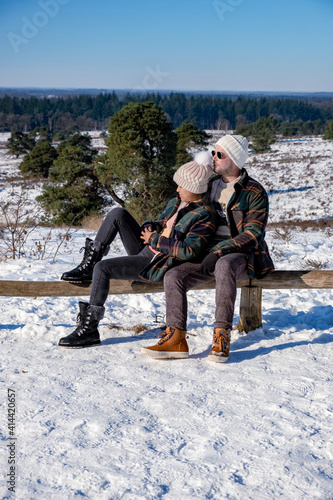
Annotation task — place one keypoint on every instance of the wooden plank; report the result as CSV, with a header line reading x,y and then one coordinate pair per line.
x,y
277,280
41,289
65,289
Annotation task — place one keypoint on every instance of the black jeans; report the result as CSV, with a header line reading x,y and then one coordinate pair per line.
x,y
119,221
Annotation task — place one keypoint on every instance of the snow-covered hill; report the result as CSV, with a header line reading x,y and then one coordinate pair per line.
x,y
109,423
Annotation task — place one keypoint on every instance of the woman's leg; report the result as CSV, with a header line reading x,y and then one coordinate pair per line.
x,y
86,334
119,268
116,221
120,221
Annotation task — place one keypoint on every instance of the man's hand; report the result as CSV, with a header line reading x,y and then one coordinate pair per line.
x,y
208,264
145,235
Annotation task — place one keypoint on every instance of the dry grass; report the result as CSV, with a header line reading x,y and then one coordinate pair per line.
x,y
302,225
92,222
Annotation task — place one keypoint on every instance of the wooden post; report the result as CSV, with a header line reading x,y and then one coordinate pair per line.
x,y
250,309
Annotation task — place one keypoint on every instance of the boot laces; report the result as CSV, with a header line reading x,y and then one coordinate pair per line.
x,y
86,258
165,336
221,339
83,323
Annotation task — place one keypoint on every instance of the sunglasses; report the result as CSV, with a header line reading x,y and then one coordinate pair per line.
x,y
221,156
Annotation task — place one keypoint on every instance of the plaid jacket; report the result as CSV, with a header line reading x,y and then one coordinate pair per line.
x,y
193,230
247,214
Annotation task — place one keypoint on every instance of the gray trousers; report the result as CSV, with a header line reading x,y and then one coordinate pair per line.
x,y
180,279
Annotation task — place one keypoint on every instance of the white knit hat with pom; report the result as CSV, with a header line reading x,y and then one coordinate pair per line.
x,y
194,175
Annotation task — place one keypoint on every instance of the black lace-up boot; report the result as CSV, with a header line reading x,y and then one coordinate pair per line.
x,y
93,253
86,333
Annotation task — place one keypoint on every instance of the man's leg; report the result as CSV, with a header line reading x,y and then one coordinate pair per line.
x,y
177,282
228,270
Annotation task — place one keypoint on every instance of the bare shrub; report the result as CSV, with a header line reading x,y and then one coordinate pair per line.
x,y
284,232
48,246
277,253
20,216
314,264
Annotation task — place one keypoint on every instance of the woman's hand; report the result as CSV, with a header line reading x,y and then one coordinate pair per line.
x,y
145,235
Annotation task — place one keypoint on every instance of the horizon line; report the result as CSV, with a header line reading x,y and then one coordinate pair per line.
x,y
138,91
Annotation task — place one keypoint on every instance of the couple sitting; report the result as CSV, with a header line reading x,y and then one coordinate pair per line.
x,y
200,236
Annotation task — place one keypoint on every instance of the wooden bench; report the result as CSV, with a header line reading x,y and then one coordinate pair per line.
x,y
250,300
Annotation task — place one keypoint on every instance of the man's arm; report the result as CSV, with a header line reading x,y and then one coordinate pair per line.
x,y
252,230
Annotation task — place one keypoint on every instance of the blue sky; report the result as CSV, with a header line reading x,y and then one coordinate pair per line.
x,y
223,45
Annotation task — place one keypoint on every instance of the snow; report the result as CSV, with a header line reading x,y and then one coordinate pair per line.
x,y
109,423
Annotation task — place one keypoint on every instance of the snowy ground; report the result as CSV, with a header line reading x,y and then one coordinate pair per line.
x,y
108,423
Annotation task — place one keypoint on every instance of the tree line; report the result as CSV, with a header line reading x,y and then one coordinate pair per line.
x,y
207,112
265,131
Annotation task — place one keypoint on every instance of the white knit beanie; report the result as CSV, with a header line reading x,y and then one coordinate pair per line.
x,y
194,175
236,146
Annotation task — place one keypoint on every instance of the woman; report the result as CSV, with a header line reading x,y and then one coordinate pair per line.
x,y
180,234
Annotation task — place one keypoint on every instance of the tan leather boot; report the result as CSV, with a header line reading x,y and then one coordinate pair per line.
x,y
172,345
221,346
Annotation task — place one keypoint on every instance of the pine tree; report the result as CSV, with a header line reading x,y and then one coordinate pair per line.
x,y
263,134
74,190
40,135
140,159
39,160
329,131
189,136
20,143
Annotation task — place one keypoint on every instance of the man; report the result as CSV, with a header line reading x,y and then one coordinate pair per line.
x,y
239,251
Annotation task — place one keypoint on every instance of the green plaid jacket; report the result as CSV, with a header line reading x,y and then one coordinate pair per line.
x,y
192,232
247,214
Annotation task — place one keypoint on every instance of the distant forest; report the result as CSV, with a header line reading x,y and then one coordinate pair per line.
x,y
89,112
